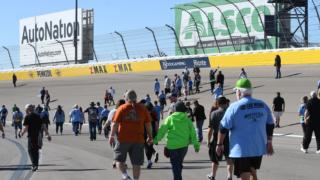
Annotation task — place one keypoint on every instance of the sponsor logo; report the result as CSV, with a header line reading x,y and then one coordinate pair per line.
x,y
182,63
229,19
44,73
49,31
122,67
101,69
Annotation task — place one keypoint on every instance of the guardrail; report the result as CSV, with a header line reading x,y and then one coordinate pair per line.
x,y
224,60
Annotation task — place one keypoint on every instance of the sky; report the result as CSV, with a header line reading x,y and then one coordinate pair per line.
x,y
110,15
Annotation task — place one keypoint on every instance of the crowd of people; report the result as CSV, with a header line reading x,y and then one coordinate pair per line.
x,y
241,132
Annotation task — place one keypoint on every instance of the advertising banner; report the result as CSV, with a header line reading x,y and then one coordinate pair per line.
x,y
226,20
202,62
44,36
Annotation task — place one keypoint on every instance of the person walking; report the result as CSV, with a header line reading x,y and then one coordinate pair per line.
x,y
3,115
129,122
39,109
17,118
173,99
99,124
214,124
278,108
2,130
190,86
44,115
301,111
42,94
103,119
179,85
82,119
217,92
200,116
250,124
34,125
277,64
59,118
312,121
197,82
163,102
179,132
167,85
14,80
48,99
220,79
149,149
75,119
243,74
212,77
189,111
156,87
93,118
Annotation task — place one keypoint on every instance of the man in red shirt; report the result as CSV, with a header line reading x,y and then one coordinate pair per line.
x,y
128,123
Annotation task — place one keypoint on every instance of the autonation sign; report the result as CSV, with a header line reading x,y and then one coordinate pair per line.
x,y
46,33
229,18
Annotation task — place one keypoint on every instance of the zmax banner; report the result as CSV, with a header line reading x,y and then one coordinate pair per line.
x,y
202,62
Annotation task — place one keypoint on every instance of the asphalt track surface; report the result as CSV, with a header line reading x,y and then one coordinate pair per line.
x,y
70,157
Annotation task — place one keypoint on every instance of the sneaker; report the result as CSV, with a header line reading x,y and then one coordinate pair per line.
x,y
149,165
318,151
210,177
3,135
114,165
126,178
156,159
304,150
34,168
230,178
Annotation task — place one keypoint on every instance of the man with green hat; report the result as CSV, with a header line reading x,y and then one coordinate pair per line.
x,y
250,125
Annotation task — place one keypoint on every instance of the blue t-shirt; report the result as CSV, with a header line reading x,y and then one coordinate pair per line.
x,y
157,109
157,86
246,121
217,92
301,111
104,113
75,115
190,83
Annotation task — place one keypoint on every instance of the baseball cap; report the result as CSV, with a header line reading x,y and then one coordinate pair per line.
x,y
243,84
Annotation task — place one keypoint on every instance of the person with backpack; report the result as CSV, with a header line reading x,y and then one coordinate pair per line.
x,y
93,118
212,77
59,118
17,118
3,115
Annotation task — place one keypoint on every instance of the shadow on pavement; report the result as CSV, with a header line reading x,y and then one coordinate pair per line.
x,y
21,167
290,75
70,170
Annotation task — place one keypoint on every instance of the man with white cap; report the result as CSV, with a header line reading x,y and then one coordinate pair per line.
x,y
250,125
33,124
312,122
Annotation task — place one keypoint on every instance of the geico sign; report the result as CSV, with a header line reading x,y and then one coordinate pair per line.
x,y
49,31
230,18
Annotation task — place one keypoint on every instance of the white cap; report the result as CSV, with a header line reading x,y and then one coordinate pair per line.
x,y
313,94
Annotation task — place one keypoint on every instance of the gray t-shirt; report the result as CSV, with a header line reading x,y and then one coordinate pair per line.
x,y
214,123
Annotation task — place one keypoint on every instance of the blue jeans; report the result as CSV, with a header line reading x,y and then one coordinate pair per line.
x,y
75,127
199,125
278,70
176,160
3,120
93,130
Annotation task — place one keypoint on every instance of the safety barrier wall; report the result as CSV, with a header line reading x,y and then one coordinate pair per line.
x,y
239,59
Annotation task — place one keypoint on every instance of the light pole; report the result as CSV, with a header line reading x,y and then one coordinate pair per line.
x,y
9,56
75,39
196,25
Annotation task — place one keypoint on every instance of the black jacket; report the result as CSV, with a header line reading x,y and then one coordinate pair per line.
x,y
199,113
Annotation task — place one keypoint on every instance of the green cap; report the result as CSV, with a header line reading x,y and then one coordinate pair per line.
x,y
243,83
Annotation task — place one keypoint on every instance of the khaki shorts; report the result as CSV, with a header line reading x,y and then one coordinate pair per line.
x,y
277,114
135,150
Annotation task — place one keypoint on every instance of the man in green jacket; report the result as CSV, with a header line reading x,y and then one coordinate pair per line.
x,y
180,133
